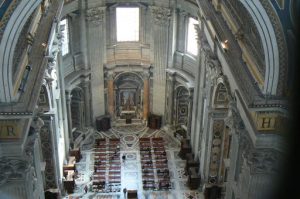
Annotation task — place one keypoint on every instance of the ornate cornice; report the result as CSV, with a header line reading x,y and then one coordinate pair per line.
x,y
95,15
161,16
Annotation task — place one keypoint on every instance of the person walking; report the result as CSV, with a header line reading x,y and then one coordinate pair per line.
x,y
123,158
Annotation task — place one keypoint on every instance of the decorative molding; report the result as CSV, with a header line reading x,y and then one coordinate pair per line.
x,y
16,113
161,16
216,150
96,15
47,150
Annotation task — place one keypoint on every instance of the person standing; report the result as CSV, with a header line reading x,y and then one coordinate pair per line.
x,y
85,188
125,191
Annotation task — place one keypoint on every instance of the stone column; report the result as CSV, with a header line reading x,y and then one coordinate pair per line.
x,y
69,114
110,94
146,95
87,103
160,31
97,57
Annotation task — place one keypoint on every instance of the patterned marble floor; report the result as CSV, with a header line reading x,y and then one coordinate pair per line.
x,y
131,176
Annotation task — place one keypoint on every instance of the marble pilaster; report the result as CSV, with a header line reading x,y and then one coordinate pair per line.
x,y
161,25
97,56
87,103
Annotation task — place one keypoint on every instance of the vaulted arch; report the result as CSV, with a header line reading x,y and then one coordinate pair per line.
x,y
8,45
269,42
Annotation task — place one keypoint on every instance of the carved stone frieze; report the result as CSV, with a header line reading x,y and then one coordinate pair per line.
x,y
263,161
161,16
13,168
95,15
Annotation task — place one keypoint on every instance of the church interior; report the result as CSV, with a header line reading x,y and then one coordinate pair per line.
x,y
145,99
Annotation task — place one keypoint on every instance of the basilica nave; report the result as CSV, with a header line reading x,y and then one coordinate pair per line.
x,y
178,99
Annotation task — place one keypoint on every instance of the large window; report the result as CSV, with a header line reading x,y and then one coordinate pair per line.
x,y
65,36
192,46
128,24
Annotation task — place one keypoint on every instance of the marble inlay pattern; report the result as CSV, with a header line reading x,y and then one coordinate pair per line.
x,y
130,166
131,176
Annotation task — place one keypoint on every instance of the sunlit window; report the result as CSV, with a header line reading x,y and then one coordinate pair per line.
x,y
128,24
192,46
65,36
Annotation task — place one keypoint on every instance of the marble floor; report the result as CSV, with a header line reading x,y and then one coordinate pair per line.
x,y
131,175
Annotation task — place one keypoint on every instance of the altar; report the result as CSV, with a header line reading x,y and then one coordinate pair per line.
x,y
128,114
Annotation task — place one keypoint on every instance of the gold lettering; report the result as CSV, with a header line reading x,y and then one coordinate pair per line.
x,y
266,122
10,131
